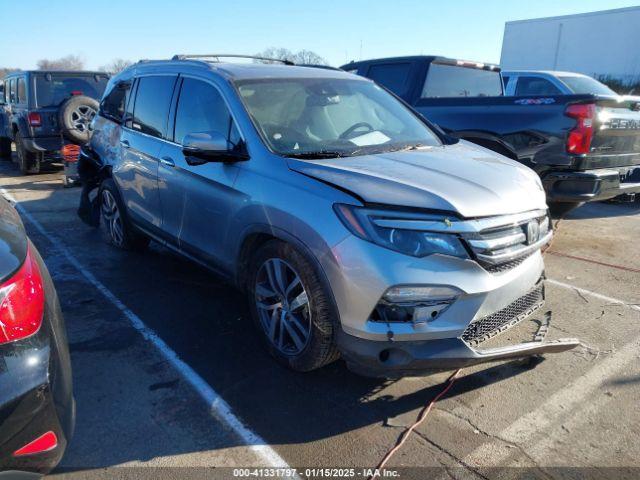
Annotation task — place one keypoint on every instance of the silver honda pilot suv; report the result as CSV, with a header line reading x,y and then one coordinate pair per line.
x,y
356,228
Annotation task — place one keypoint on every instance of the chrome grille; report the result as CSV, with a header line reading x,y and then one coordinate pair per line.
x,y
499,248
491,325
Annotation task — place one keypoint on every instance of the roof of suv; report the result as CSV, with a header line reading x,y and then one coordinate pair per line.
x,y
56,72
242,71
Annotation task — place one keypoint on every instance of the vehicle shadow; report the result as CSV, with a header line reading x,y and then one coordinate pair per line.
x,y
604,210
206,322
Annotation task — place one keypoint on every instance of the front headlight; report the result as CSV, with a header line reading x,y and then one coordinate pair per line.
x,y
360,222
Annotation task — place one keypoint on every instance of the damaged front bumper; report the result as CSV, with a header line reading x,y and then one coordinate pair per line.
x,y
395,359
409,358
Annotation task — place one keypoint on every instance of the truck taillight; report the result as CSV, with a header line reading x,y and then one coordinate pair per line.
x,y
35,120
579,139
21,302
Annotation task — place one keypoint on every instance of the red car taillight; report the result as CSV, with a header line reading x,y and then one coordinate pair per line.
x,y
21,302
579,140
35,119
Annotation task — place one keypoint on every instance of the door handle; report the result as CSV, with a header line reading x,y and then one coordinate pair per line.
x,y
125,143
167,161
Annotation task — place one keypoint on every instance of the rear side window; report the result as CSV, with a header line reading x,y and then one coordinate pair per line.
x,y
12,90
201,108
505,81
22,93
394,76
454,81
153,101
113,105
535,86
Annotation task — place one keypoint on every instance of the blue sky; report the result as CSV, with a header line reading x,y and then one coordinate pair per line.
x,y
100,31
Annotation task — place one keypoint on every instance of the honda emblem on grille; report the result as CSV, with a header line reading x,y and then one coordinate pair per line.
x,y
533,232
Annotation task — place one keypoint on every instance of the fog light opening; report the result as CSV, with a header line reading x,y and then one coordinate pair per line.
x,y
414,304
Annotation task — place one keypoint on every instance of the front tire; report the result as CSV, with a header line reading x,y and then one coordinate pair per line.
x,y
29,162
292,308
114,223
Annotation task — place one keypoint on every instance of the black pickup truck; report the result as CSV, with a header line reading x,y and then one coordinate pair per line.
x,y
584,147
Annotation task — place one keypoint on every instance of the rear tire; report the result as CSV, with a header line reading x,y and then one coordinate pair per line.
x,y
5,148
29,162
296,316
114,224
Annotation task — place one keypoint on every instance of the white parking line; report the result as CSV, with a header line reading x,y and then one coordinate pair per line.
x,y
219,408
563,402
593,294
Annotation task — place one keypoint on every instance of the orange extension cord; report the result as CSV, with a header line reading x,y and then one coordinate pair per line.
x,y
450,381
421,418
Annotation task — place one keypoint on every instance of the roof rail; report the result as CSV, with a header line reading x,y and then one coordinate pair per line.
x,y
215,57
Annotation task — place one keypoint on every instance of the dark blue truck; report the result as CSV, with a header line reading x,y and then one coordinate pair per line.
x,y
584,147
41,111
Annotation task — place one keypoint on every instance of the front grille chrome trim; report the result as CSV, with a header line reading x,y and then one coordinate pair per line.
x,y
497,258
499,242
458,226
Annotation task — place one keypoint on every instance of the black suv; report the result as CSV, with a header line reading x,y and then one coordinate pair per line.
x,y
41,111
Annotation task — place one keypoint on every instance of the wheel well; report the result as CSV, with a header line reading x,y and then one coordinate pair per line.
x,y
250,244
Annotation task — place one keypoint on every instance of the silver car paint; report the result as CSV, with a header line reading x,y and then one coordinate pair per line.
x,y
208,211
463,178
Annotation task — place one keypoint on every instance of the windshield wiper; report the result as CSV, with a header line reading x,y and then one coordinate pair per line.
x,y
318,154
407,148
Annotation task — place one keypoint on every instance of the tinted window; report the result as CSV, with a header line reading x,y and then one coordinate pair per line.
x,y
586,85
53,89
201,108
394,76
113,105
536,86
152,105
453,81
22,94
505,81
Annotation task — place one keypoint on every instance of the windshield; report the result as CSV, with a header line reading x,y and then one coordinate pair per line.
x,y
586,85
52,89
331,117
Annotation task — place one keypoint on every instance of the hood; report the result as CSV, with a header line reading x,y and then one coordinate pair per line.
x,y
462,178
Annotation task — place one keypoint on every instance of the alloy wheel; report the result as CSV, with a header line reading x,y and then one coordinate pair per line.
x,y
112,218
81,117
283,306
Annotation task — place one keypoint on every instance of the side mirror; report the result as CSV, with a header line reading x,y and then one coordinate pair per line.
x,y
204,147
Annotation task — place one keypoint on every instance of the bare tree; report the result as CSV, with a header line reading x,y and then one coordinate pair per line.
x,y
4,71
70,62
309,58
116,65
301,57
